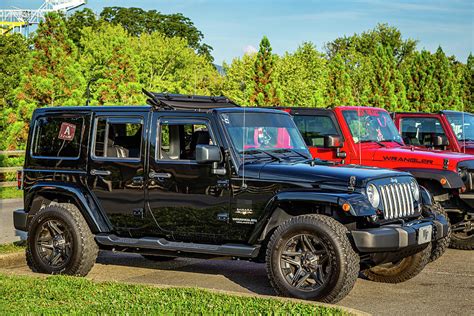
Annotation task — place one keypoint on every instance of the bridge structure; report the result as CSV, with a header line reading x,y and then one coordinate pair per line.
x,y
16,20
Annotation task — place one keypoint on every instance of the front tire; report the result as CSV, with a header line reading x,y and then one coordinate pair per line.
x,y
400,271
439,246
60,242
310,257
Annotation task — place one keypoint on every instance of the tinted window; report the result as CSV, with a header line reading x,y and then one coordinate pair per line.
x,y
420,131
179,141
314,128
118,138
58,137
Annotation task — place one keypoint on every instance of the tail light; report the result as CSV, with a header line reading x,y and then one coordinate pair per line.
x,y
19,179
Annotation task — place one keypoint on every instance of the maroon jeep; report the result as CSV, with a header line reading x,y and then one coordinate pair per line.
x,y
449,130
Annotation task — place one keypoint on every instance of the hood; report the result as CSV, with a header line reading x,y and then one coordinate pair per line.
x,y
317,174
413,157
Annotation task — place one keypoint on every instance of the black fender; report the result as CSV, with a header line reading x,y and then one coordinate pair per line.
x,y
426,197
93,215
273,216
453,180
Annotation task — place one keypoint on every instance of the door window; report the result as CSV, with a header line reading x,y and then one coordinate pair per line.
x,y
178,141
118,138
314,128
420,131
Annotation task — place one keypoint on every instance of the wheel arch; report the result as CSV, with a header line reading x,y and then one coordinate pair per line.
x,y
427,176
286,205
40,195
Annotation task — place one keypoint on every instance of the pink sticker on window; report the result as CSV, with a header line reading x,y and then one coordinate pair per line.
x,y
67,131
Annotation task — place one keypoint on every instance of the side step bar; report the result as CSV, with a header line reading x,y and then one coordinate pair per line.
x,y
227,250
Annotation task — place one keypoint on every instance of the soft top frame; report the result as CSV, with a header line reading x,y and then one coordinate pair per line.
x,y
164,101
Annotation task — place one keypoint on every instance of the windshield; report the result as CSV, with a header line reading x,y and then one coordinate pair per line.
x,y
462,125
369,125
264,134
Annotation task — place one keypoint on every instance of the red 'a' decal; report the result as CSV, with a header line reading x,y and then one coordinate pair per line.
x,y
67,131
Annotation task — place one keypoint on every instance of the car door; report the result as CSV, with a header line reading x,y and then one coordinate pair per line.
x,y
188,201
116,171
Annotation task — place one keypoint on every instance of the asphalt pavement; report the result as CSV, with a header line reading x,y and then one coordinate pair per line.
x,y
445,287
7,231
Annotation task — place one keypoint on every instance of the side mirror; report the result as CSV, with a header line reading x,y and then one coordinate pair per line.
x,y
333,141
208,153
440,141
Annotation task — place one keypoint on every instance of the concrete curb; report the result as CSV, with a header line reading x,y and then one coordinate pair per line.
x,y
12,259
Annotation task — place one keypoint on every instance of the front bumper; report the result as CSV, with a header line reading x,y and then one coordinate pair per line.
x,y
20,220
398,236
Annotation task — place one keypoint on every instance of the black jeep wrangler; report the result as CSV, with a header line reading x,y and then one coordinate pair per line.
x,y
201,176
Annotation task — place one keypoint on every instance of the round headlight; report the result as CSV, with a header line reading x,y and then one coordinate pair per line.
x,y
415,189
373,195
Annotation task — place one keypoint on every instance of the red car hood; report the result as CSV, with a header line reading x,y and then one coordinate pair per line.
x,y
412,157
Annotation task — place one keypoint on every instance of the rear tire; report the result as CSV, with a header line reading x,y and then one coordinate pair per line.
x,y
310,257
439,246
60,242
401,271
461,239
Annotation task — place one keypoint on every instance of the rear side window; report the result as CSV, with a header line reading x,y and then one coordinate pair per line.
x,y
58,137
118,138
420,131
314,128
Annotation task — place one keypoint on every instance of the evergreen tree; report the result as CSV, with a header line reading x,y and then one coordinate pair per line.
x,y
264,91
386,82
339,89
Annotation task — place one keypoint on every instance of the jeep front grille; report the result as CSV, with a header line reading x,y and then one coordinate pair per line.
x,y
397,200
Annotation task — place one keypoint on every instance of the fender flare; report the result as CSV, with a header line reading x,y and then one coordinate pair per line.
x,y
94,217
273,216
453,180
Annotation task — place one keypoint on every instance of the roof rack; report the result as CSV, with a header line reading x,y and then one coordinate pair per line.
x,y
164,101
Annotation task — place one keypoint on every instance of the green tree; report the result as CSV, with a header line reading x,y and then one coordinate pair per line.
x,y
110,64
52,77
467,82
138,21
302,77
14,55
339,88
169,65
264,90
238,80
386,82
367,42
77,21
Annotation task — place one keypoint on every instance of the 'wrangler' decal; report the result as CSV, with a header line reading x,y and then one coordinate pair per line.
x,y
410,160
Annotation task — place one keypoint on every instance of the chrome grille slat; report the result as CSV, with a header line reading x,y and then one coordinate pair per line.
x,y
397,200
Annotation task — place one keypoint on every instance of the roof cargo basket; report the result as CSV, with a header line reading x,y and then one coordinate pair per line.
x,y
164,101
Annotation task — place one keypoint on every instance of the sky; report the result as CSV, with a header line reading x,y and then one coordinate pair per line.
x,y
233,27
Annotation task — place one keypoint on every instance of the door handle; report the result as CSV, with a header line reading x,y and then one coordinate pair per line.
x,y
96,172
157,175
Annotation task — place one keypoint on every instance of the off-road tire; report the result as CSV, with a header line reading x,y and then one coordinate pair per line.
x,y
158,258
438,247
458,241
84,249
343,258
401,271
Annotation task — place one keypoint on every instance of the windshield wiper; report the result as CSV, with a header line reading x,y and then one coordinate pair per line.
x,y
289,150
393,140
259,151
373,141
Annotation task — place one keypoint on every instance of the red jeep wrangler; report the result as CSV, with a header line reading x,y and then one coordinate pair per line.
x,y
368,136
450,130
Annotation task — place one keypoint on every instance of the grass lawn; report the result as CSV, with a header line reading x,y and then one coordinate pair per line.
x,y
14,247
70,295
10,193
